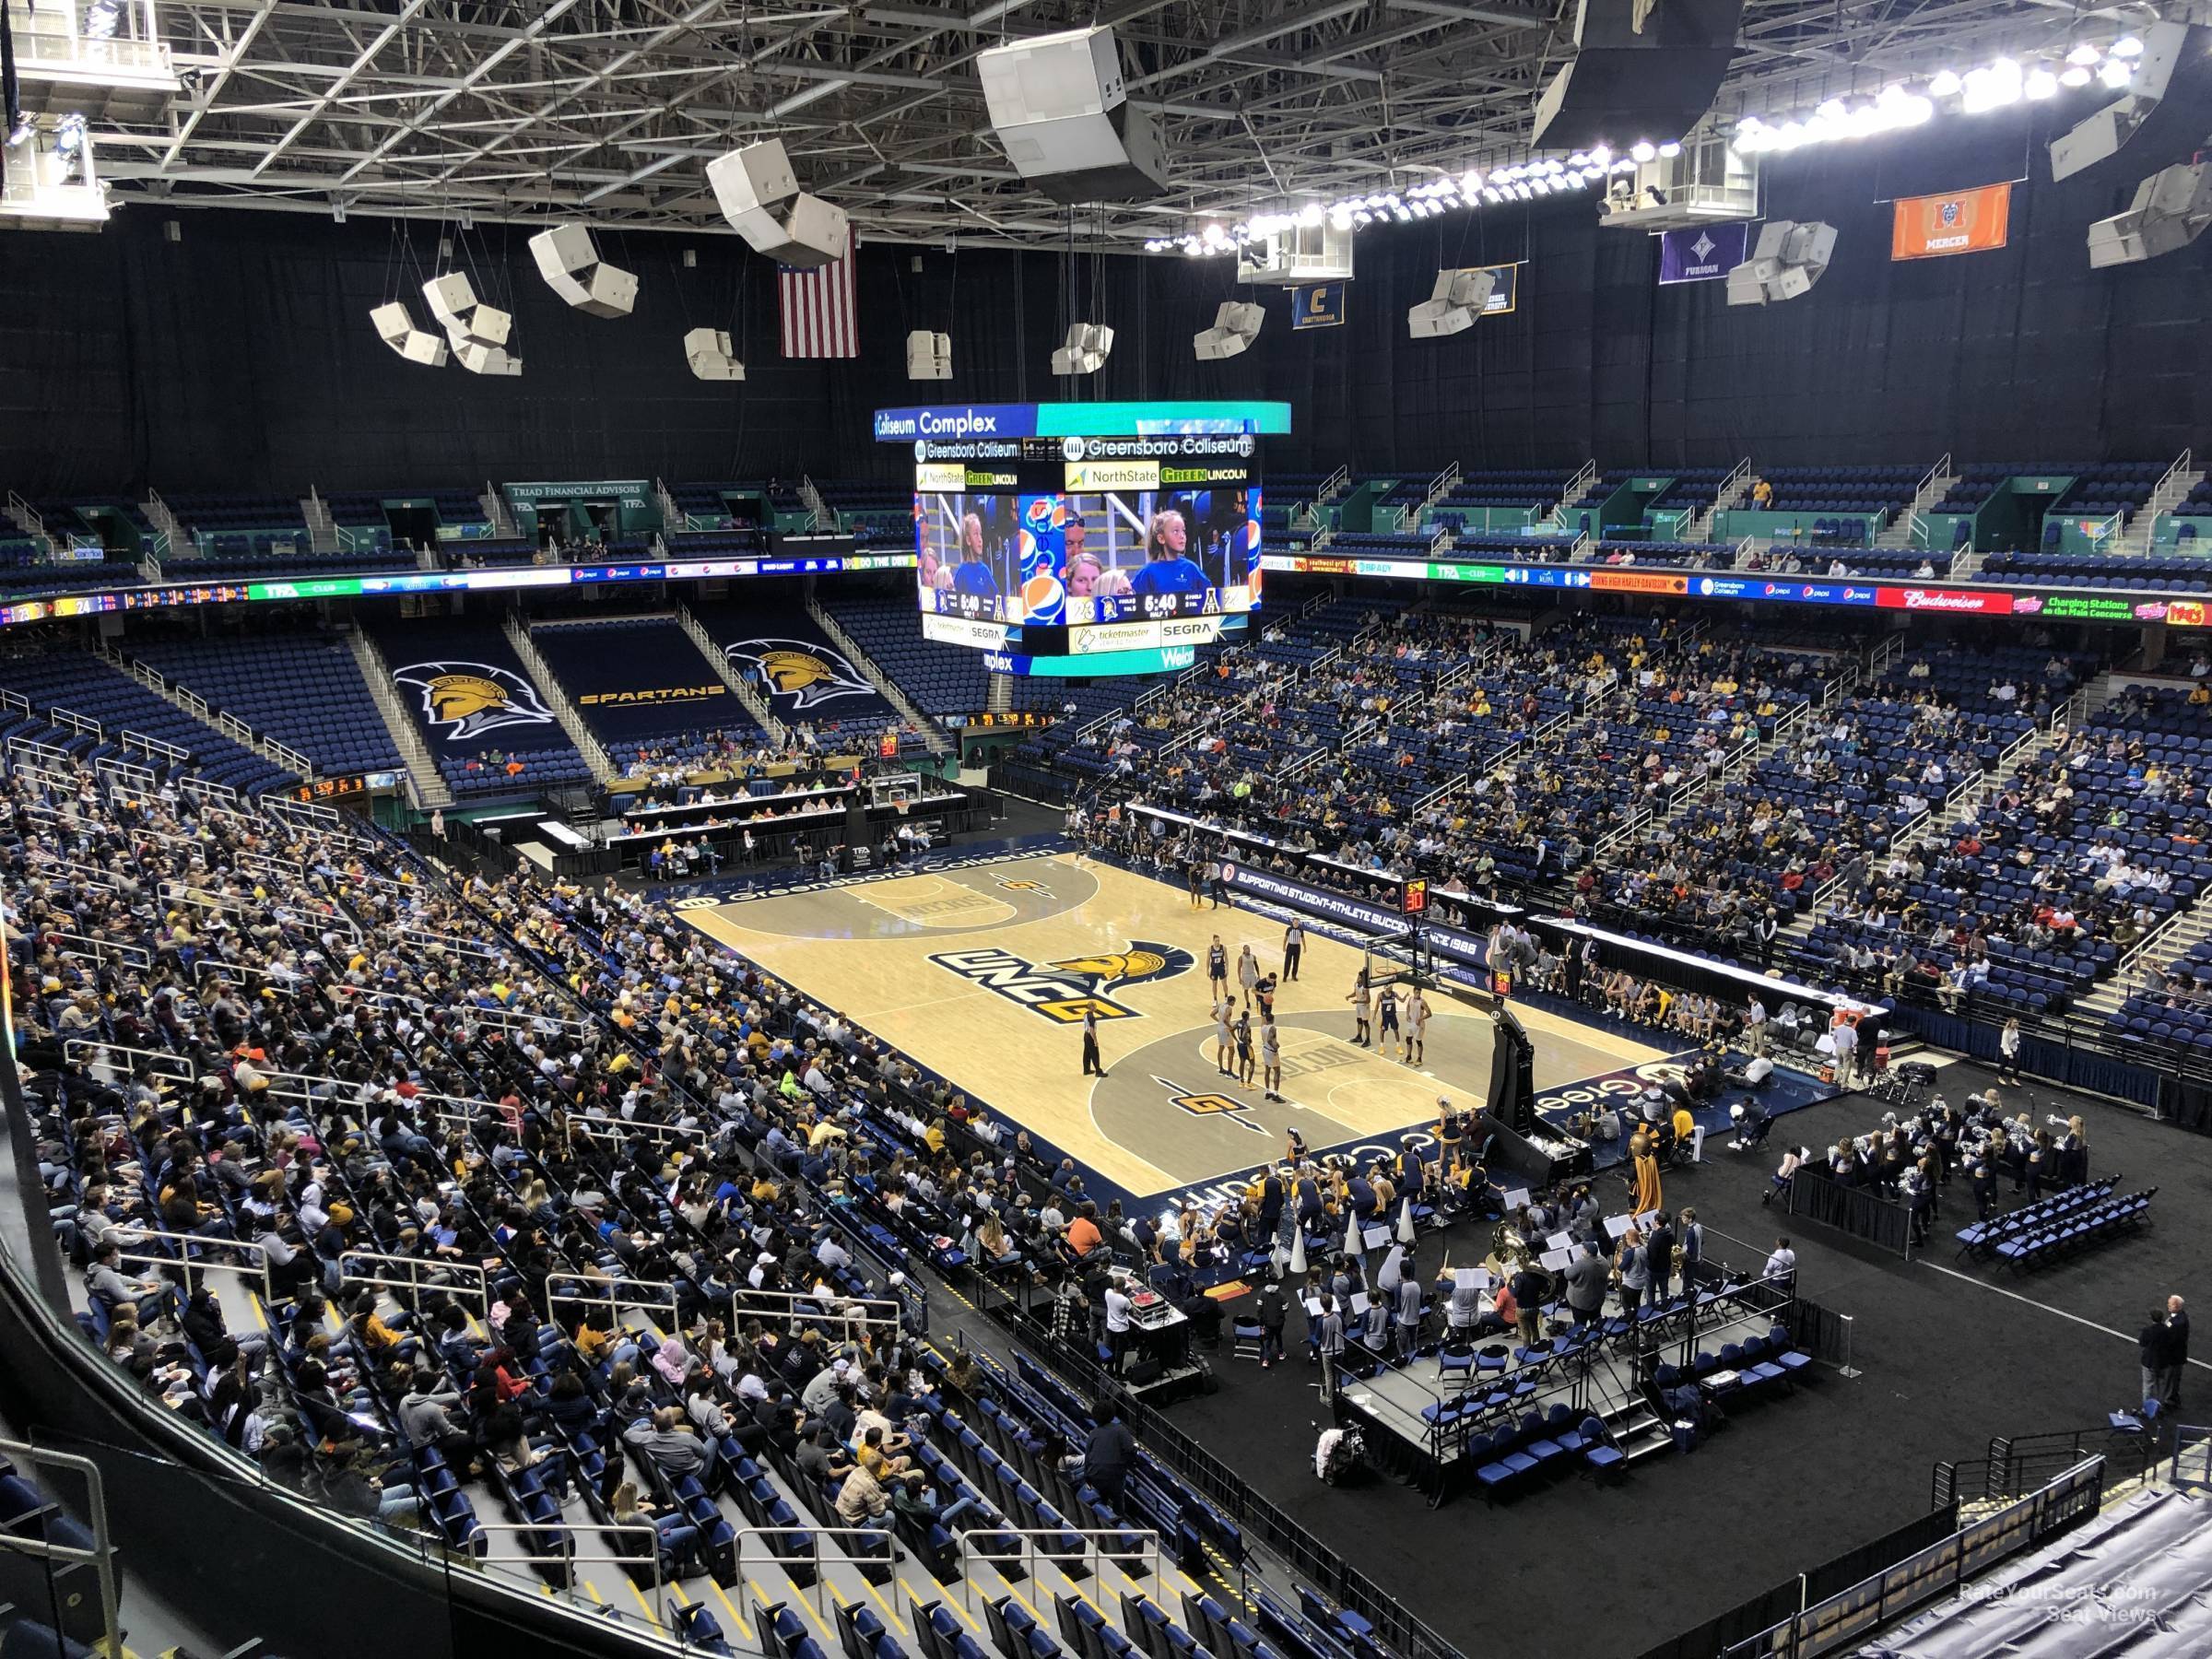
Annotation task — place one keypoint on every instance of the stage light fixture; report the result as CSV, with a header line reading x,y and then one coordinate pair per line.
x,y
1236,326
1454,302
1789,258
712,356
568,258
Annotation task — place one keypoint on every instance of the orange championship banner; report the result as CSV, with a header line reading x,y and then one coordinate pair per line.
x,y
1965,221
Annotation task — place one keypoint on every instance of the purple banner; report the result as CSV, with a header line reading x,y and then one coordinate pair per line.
x,y
1702,252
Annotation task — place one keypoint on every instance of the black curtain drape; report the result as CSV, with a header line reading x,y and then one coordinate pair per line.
x,y
241,356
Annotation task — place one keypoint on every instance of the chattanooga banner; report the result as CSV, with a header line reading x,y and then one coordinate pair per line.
x,y
636,682
1318,305
1965,221
1701,253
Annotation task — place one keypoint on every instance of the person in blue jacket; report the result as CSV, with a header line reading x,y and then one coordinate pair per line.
x,y
974,574
1167,566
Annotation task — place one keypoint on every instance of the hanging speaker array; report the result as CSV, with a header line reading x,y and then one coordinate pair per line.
x,y
568,258
928,356
712,356
396,328
478,332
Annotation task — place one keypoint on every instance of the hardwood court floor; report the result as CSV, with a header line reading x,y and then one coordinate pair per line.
x,y
981,974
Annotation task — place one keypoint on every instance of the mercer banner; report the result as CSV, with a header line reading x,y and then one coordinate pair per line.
x,y
1965,221
1702,252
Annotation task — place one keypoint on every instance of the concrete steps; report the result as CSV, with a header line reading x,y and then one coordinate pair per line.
x,y
431,787
762,715
557,699
1898,534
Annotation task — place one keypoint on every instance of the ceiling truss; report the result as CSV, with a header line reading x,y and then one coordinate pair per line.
x,y
610,109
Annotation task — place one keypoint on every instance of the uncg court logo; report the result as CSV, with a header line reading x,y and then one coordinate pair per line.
x,y
806,672
1064,991
467,699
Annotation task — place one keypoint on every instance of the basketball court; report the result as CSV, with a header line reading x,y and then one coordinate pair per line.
x,y
981,974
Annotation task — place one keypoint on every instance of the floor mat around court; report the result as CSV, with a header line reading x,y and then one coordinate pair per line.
x,y
980,972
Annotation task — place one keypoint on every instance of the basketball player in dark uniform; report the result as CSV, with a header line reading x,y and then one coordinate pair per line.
x,y
1217,965
1386,1006
1244,1061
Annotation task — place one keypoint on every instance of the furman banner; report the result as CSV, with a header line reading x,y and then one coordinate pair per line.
x,y
1965,221
1702,252
636,680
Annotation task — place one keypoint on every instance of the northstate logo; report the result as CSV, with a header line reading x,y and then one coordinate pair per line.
x,y
467,699
1062,991
806,673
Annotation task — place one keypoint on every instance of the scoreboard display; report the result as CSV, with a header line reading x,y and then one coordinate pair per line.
x,y
1128,534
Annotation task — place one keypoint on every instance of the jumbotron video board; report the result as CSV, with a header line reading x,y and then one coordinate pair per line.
x,y
1056,529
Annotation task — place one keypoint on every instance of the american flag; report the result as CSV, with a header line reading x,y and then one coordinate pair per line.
x,y
820,320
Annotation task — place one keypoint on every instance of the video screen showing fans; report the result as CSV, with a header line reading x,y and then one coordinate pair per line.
x,y
1080,559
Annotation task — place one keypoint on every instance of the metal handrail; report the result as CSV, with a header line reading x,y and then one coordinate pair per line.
x,y
182,1067
1441,486
189,1266
100,1557
2180,470
616,1296
748,1301
1942,469
155,747
1583,478
421,1274
1843,1619
570,1557
130,956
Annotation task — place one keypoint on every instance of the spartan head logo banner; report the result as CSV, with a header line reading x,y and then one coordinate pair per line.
x,y
1064,991
465,700
1143,960
806,673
